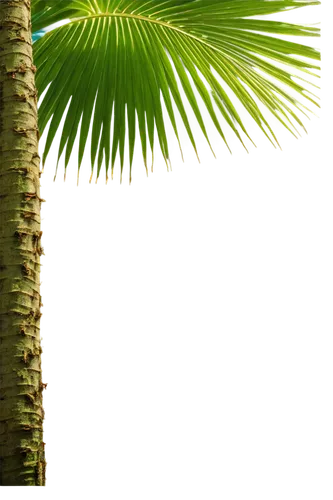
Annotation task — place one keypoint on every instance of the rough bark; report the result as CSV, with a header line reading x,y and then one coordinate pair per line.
x,y
21,415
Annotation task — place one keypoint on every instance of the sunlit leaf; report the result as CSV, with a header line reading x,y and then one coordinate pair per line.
x,y
121,61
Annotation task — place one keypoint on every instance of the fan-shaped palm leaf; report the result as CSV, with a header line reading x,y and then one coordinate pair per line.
x,y
124,58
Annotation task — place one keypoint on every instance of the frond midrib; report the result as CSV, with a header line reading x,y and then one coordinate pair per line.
x,y
144,19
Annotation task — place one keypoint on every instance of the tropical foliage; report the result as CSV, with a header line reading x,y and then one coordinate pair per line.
x,y
118,61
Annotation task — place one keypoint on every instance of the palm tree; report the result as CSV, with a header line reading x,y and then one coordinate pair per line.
x,y
114,64
21,446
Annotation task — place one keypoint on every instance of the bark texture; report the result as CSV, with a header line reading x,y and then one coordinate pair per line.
x,y
21,415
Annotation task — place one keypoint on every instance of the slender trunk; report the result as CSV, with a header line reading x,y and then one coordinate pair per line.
x,y
21,414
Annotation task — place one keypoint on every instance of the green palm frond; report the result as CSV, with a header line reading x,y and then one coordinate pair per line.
x,y
121,60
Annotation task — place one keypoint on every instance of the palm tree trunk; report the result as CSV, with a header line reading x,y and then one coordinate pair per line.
x,y
21,414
